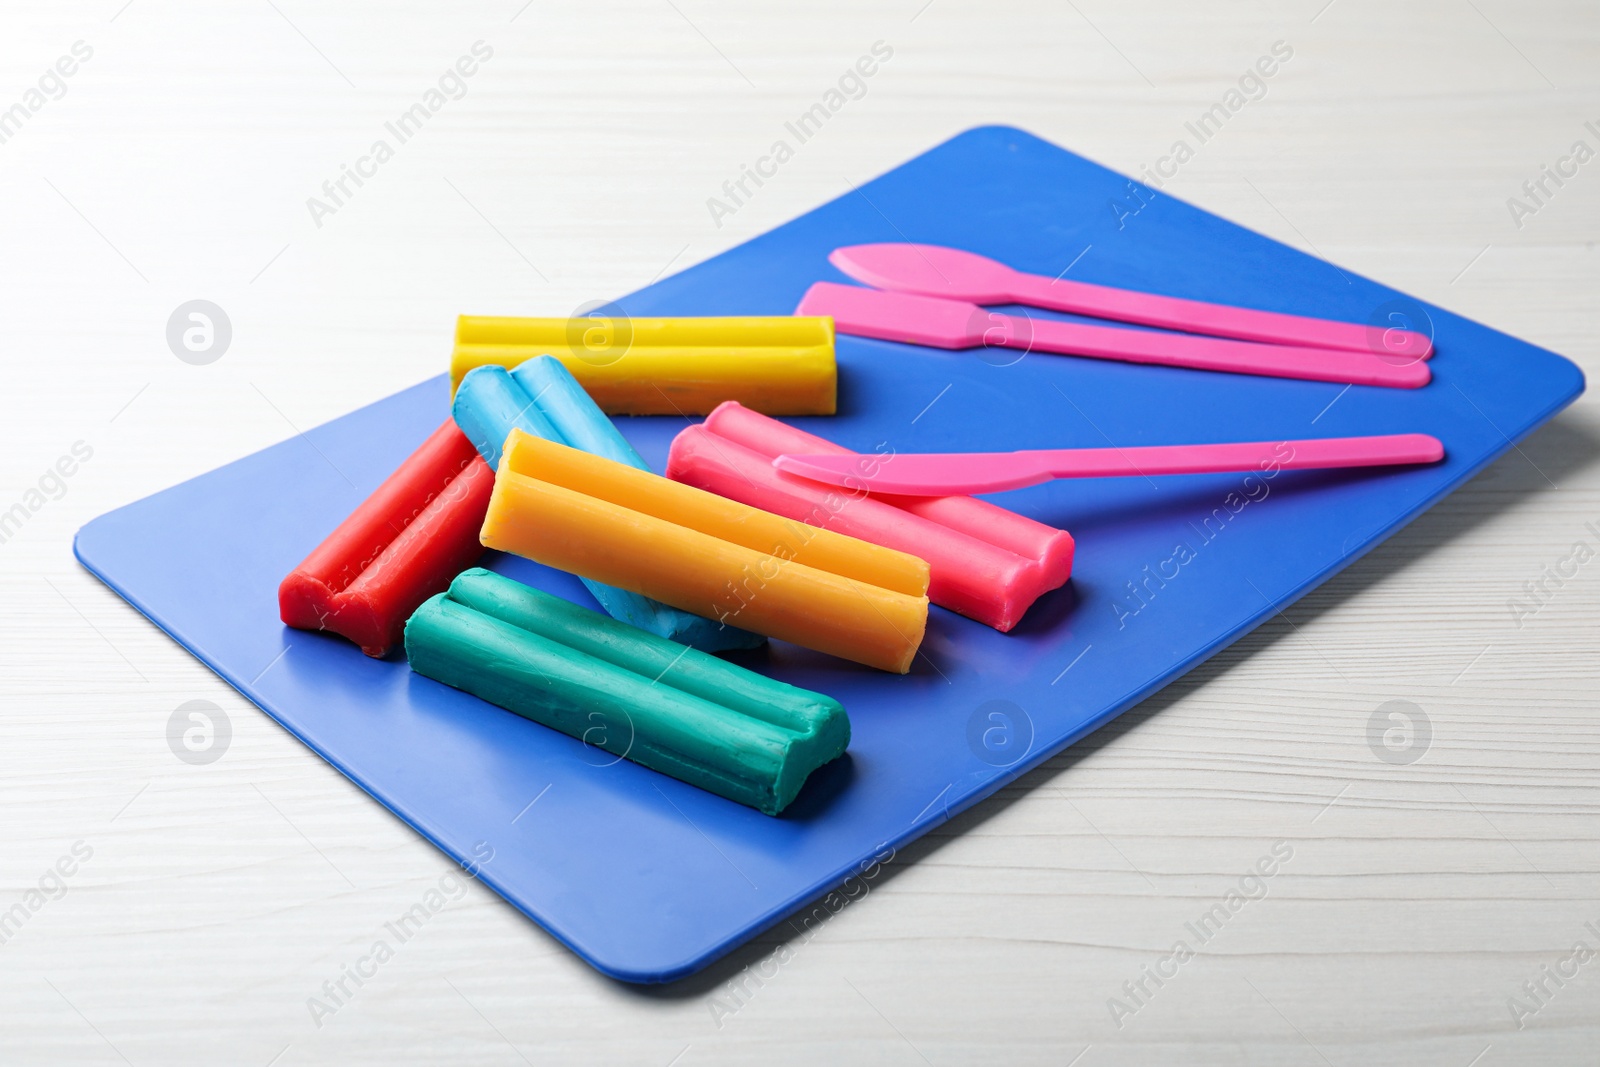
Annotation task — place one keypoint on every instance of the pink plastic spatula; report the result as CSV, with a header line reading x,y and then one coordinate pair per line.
x,y
927,320
932,270
963,473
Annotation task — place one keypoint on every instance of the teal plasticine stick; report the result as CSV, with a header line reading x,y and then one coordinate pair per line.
x,y
542,397
672,708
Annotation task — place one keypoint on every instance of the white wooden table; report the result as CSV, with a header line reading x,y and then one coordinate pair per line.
x,y
207,903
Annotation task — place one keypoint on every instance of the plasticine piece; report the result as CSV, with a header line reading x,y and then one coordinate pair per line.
x,y
399,547
706,554
779,364
984,562
675,710
541,398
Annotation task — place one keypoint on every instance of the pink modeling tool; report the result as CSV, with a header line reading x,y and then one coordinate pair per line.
x,y
935,474
932,270
927,320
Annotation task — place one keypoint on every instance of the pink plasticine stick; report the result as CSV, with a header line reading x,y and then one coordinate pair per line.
x,y
926,320
985,562
991,472
954,274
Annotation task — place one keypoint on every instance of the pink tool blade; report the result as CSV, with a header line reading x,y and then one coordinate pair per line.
x,y
951,273
941,474
916,320
941,323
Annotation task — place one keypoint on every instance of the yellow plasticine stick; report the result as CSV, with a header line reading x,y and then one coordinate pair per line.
x,y
706,554
776,364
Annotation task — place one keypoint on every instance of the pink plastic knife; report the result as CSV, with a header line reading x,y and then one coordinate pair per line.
x,y
926,320
932,270
964,473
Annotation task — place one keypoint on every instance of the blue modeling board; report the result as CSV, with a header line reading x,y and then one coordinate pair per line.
x,y
649,879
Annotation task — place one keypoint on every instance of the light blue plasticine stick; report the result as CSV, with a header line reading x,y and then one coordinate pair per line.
x,y
542,397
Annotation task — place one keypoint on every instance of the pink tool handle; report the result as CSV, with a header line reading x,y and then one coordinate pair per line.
x,y
1241,456
1220,320
1203,353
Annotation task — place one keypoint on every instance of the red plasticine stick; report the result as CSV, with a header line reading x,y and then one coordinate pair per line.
x,y
406,542
985,562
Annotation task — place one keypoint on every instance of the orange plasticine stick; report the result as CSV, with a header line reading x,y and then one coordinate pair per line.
x,y
705,554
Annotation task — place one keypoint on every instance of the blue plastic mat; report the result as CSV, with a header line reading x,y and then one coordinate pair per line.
x,y
649,879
